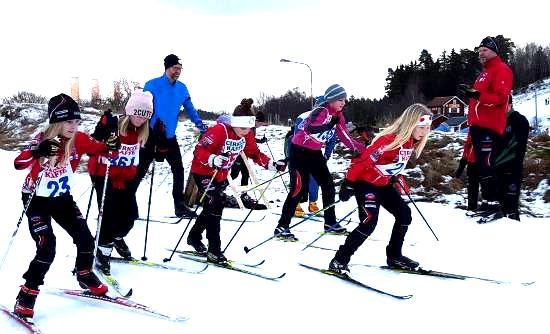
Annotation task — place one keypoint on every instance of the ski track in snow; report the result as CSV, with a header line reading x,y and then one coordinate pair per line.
x,y
219,300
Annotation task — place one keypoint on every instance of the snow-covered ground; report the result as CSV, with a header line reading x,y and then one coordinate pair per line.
x,y
222,301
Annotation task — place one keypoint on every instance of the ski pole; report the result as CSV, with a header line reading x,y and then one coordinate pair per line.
x,y
190,219
273,157
144,257
330,229
90,201
247,250
25,208
267,181
245,218
417,209
100,216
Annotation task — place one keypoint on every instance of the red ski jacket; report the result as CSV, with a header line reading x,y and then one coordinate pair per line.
x,y
83,144
494,85
221,139
376,166
123,167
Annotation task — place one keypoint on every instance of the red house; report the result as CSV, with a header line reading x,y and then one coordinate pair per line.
x,y
449,106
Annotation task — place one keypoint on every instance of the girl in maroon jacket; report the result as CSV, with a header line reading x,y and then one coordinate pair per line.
x,y
215,153
52,157
374,179
120,207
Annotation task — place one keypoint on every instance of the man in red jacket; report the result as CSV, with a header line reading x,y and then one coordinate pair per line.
x,y
488,106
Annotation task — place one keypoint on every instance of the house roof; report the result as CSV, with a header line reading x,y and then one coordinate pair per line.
x,y
455,121
438,101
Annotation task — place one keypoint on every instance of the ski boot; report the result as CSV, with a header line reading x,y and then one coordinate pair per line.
x,y
182,211
299,212
197,245
284,234
338,268
103,259
87,279
122,248
24,303
312,208
336,229
401,262
250,203
217,258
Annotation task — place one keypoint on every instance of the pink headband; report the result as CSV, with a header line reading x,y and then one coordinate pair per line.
x,y
425,120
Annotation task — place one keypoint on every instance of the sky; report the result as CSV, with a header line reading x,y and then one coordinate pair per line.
x,y
231,49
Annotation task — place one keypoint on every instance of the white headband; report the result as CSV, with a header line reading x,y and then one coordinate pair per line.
x,y
425,120
243,121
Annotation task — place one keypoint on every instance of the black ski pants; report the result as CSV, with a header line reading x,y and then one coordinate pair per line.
x,y
172,154
473,186
510,176
369,198
304,163
211,214
64,211
119,211
484,142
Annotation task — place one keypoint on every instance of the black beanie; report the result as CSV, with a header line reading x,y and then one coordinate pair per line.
x,y
489,43
171,60
62,108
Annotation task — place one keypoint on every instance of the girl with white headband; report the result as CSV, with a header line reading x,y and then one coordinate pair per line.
x,y
374,178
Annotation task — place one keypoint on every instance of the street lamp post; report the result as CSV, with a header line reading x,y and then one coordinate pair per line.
x,y
310,77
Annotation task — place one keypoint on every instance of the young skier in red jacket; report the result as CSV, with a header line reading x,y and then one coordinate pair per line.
x,y
214,154
52,157
374,178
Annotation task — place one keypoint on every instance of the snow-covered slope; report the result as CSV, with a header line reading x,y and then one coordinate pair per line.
x,y
221,301
525,104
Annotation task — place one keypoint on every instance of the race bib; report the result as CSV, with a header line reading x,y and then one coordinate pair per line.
x,y
397,167
128,155
232,148
55,181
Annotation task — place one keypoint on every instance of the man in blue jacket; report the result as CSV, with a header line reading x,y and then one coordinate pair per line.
x,y
169,95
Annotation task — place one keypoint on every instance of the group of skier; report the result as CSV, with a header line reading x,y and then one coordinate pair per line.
x,y
121,151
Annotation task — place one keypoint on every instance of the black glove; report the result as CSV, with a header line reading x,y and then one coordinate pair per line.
x,y
346,191
113,142
469,91
202,128
460,169
279,165
47,148
106,125
355,154
334,120
261,140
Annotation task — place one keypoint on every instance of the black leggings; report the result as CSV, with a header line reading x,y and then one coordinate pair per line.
x,y
369,198
239,166
484,142
119,212
211,214
65,212
303,163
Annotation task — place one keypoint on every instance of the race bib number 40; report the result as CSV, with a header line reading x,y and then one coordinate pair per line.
x,y
128,155
55,181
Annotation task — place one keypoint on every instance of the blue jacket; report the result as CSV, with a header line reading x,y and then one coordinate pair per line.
x,y
168,98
